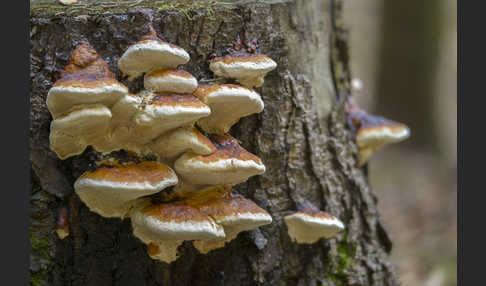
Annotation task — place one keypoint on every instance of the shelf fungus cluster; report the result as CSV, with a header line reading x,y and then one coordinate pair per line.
x,y
185,193
309,224
373,132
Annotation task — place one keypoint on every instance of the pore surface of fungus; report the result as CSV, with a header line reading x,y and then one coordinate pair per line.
x,y
309,224
228,103
151,53
230,164
110,190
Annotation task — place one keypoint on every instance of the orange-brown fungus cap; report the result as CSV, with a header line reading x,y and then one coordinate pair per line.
x,y
230,164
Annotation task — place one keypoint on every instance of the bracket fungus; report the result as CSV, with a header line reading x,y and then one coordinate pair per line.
x,y
164,227
72,131
309,224
167,80
374,132
85,80
110,191
244,63
149,53
230,164
228,103
181,140
163,113
90,107
232,211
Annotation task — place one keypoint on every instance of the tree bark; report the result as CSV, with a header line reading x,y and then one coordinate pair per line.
x,y
301,136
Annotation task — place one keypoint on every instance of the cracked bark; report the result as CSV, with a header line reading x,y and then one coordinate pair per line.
x,y
301,136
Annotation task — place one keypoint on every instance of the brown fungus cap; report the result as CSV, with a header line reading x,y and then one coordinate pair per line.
x,y
181,140
309,224
85,80
374,132
234,212
163,113
243,63
170,80
230,164
151,53
164,227
228,103
110,190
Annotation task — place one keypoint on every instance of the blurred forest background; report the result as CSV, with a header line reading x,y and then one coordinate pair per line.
x,y
404,52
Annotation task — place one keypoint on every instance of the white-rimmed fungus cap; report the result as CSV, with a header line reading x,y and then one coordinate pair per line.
x,y
230,164
163,113
151,53
181,140
85,80
109,191
164,227
228,103
170,80
309,224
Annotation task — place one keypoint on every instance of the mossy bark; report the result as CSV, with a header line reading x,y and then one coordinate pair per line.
x,y
301,136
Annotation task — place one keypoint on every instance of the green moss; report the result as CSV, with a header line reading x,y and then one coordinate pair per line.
x,y
40,248
37,278
341,264
187,7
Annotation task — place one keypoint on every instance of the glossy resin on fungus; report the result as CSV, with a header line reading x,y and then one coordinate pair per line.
x,y
162,113
151,53
244,63
374,132
111,190
164,227
170,80
181,140
309,224
85,80
230,164
234,212
228,103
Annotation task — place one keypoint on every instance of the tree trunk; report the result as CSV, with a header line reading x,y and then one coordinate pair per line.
x,y
301,136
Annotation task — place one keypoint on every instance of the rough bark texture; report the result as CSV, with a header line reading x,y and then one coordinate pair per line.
x,y
301,137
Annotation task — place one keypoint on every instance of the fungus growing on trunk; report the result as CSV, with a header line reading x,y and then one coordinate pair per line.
x,y
228,103
373,132
309,224
170,80
73,130
149,53
244,63
85,80
230,164
181,140
163,113
110,191
164,227
234,212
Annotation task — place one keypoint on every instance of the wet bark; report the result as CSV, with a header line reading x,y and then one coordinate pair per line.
x,y
301,136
